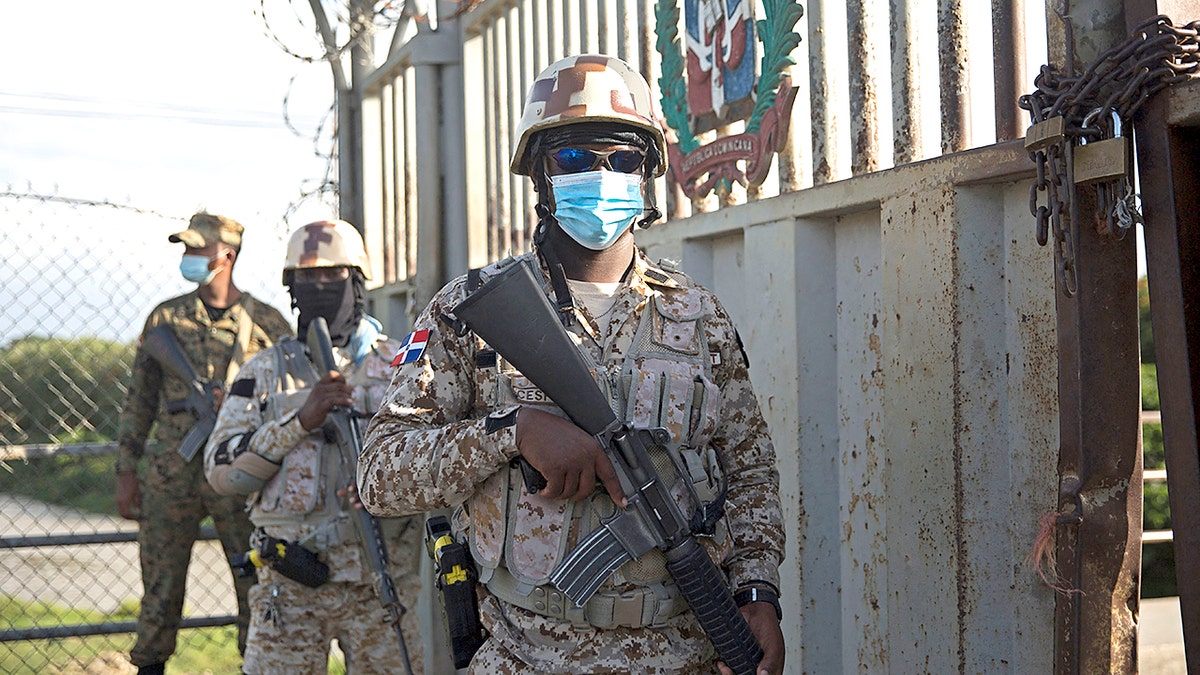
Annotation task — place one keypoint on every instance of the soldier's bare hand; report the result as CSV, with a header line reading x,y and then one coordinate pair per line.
x,y
351,492
129,498
218,399
332,390
569,458
764,623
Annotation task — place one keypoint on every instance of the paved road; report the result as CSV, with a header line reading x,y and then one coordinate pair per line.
x,y
98,577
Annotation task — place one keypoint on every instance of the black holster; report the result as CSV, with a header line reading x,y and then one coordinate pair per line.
x,y
456,578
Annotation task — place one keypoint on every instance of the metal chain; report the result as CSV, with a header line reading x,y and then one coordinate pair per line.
x,y
1098,104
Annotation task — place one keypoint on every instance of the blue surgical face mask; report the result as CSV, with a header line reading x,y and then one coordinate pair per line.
x,y
195,268
596,207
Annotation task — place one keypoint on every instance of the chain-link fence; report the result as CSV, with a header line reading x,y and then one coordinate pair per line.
x,y
78,280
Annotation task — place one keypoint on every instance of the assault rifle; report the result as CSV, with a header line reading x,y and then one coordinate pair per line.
x,y
162,346
511,313
343,423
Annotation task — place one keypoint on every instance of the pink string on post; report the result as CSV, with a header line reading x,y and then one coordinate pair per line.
x,y
1041,557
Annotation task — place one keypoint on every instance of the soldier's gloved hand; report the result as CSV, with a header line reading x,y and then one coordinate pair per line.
x,y
764,623
332,390
129,499
569,457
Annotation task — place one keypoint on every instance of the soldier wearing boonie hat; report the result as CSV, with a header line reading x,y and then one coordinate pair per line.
x,y
218,327
208,228
457,417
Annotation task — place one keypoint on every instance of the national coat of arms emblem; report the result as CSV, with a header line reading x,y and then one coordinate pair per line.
x,y
721,87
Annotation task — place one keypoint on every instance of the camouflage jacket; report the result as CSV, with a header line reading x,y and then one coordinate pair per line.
x,y
300,502
209,345
429,445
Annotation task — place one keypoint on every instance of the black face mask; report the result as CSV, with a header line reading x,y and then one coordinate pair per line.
x,y
336,301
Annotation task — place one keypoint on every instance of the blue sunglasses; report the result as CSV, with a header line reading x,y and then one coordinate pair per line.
x,y
576,160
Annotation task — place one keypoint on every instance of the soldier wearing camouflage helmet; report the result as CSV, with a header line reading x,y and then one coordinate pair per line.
x,y
458,417
269,445
218,327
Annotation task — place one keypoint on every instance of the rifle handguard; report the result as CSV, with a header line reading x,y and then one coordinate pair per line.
x,y
693,570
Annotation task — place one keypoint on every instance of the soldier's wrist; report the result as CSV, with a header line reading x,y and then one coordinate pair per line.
x,y
766,592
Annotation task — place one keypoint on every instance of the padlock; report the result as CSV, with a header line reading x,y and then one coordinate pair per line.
x,y
1044,134
1104,160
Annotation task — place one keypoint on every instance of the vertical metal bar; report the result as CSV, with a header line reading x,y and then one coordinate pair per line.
x,y
1008,66
412,200
864,89
626,23
604,43
513,100
1099,537
587,27
522,58
387,124
908,132
954,76
431,214
491,160
571,13
502,80
821,25
1170,183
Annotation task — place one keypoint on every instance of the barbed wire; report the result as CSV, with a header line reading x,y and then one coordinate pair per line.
x,y
30,194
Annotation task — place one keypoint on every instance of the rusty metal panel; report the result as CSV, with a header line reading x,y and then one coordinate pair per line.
x,y
920,352
861,456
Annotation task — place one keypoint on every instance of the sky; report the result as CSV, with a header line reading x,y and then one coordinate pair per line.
x,y
166,107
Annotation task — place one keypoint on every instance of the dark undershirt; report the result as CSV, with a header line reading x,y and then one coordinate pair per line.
x,y
215,314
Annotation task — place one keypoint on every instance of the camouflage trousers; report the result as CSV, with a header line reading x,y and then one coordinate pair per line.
x,y
175,498
291,626
551,647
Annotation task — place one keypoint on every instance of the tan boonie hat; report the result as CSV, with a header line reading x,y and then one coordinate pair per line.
x,y
208,228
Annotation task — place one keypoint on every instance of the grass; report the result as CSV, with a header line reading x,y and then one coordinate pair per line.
x,y
199,651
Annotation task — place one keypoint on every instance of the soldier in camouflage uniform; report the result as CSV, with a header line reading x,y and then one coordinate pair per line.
x,y
218,327
457,415
269,444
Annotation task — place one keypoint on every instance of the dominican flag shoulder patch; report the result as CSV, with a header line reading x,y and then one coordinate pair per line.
x,y
411,347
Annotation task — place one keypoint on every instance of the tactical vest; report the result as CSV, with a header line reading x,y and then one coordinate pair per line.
x,y
664,380
303,495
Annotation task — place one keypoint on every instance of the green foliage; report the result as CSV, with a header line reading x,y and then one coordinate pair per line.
x,y
1153,454
1149,386
84,483
51,388
1145,332
1158,571
778,41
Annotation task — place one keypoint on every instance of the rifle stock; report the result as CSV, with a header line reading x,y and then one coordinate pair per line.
x,y
513,316
344,424
164,348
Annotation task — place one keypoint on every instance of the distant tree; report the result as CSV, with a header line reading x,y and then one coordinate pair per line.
x,y
60,389
1145,334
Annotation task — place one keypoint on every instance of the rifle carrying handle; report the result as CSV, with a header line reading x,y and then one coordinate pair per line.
x,y
704,589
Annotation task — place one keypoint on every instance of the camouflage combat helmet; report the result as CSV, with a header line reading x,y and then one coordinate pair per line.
x,y
587,88
326,243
